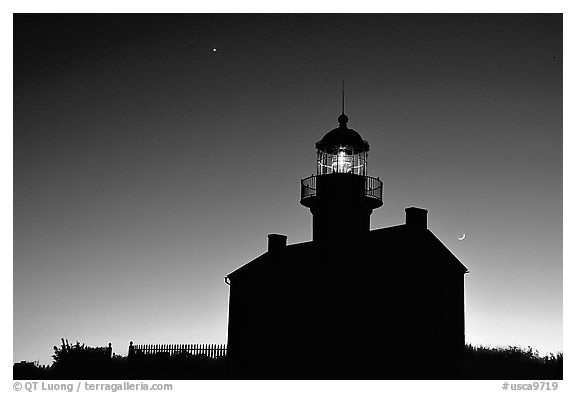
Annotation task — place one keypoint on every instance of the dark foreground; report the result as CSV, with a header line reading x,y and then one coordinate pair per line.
x,y
476,363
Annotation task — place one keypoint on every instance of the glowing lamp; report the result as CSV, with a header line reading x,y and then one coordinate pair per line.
x,y
343,163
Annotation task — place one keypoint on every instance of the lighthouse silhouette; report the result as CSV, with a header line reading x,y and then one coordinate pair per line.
x,y
352,303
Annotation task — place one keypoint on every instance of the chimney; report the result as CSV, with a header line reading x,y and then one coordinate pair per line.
x,y
416,217
276,242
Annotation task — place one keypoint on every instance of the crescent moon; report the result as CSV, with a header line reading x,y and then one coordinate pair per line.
x,y
462,237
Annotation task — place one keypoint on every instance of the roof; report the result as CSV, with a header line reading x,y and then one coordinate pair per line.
x,y
425,239
342,136
403,243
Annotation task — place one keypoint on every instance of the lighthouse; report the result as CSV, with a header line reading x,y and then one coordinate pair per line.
x,y
354,302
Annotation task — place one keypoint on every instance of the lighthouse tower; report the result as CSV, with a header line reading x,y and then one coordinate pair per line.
x,y
341,196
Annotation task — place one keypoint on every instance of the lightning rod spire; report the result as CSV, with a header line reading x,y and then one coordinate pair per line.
x,y
342,96
342,119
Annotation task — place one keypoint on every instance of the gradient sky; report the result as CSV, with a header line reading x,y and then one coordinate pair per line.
x,y
148,166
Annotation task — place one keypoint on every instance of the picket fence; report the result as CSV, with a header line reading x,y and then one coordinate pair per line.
x,y
214,351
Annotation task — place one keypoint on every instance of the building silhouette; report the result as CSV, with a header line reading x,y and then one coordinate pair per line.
x,y
353,302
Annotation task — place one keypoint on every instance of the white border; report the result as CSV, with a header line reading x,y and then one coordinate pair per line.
x,y
300,6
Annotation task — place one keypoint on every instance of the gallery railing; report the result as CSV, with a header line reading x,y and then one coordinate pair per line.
x,y
372,187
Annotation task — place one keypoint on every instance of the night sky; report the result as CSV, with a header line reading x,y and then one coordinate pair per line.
x,y
148,165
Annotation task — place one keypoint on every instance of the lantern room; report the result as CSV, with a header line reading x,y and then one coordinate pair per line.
x,y
342,150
